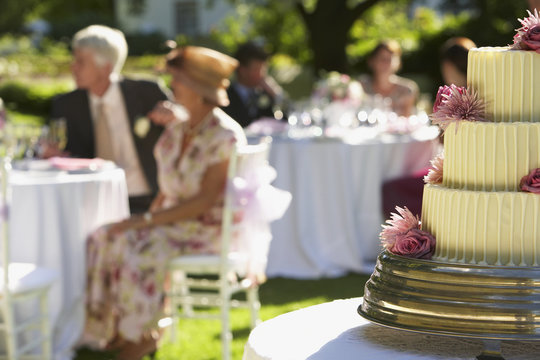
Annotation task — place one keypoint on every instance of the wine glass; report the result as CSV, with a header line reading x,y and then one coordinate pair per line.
x,y
13,141
58,133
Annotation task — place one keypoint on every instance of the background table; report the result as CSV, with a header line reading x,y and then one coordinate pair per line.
x,y
334,330
333,222
51,216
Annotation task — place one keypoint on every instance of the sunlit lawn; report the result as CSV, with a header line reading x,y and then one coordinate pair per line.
x,y
200,339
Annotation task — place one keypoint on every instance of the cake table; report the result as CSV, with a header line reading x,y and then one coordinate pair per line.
x,y
334,330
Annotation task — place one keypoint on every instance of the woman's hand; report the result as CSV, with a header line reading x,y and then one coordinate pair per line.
x,y
48,150
157,202
166,112
132,223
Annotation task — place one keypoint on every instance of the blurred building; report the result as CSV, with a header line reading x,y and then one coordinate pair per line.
x,y
172,17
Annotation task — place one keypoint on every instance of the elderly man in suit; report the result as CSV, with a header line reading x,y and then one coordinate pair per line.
x,y
253,94
106,115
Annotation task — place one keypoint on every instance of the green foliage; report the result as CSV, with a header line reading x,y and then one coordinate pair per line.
x,y
493,22
21,58
276,23
63,28
59,10
14,14
31,97
143,44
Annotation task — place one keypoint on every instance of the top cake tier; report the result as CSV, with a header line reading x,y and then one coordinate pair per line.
x,y
508,81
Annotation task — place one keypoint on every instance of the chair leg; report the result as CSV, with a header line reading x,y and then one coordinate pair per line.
x,y
226,334
254,306
172,307
184,291
11,336
45,327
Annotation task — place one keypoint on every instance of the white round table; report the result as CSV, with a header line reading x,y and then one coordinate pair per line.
x,y
51,215
333,223
334,330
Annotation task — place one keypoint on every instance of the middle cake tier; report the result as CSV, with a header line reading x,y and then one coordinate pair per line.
x,y
485,228
490,156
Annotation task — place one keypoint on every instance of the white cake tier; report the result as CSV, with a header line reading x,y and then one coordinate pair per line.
x,y
508,81
485,228
490,156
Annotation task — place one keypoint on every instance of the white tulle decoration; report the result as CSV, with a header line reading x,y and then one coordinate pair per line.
x,y
258,203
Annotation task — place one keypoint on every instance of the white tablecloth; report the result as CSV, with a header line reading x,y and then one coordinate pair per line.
x,y
51,215
334,330
335,217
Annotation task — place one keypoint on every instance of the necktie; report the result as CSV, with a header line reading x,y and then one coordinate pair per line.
x,y
252,103
103,138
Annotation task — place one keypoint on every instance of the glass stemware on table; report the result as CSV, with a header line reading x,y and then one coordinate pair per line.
x,y
58,133
353,120
24,143
19,141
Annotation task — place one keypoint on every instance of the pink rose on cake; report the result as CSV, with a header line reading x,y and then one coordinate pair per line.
x,y
528,35
414,243
403,236
454,104
532,38
531,182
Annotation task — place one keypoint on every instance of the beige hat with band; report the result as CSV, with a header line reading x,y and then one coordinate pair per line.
x,y
204,70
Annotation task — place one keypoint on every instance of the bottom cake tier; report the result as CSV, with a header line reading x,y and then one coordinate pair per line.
x,y
491,302
485,228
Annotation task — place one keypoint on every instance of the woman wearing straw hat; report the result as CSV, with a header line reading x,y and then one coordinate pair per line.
x,y
126,260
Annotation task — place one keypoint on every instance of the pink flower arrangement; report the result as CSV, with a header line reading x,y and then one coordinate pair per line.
x,y
335,86
435,173
454,104
531,182
528,35
403,236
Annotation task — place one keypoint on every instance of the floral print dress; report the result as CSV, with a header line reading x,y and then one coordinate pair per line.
x,y
126,272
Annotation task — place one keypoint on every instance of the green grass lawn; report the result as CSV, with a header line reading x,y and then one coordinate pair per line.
x,y
200,339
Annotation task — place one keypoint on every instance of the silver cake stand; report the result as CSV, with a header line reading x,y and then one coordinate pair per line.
x,y
492,303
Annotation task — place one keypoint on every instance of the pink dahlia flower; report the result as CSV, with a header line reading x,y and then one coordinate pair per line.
x,y
528,35
435,173
455,104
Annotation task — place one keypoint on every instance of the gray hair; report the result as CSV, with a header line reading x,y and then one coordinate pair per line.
x,y
108,45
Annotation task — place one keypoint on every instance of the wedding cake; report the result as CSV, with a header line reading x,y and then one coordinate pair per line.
x,y
480,202
480,221
480,214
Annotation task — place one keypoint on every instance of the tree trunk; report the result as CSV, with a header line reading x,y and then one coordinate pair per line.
x,y
328,27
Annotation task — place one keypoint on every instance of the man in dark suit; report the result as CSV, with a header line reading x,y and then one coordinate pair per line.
x,y
106,115
252,95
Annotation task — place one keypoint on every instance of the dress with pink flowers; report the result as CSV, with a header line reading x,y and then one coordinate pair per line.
x,y
126,272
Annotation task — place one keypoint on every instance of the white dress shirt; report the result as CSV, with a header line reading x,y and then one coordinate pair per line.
x,y
125,154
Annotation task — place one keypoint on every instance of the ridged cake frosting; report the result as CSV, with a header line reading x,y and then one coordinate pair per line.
x,y
507,80
478,214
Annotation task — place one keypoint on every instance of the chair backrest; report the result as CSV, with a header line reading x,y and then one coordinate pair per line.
x,y
244,158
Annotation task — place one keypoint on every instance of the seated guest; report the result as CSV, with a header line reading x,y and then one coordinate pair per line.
x,y
252,94
106,114
384,61
453,59
126,261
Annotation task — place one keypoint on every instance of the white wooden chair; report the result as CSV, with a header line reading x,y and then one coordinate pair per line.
x,y
216,278
21,282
